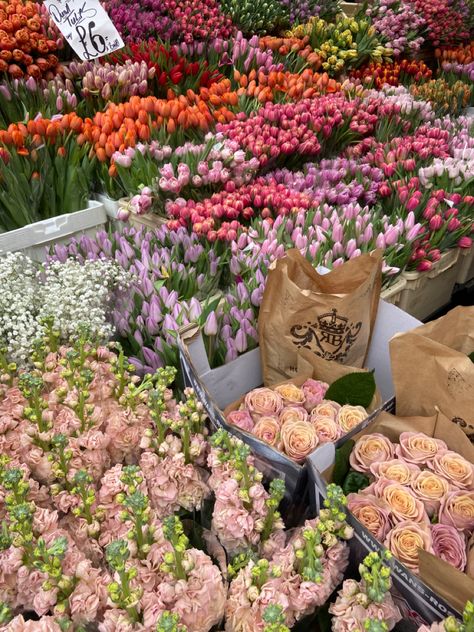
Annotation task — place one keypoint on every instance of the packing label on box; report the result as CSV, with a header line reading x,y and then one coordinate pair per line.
x,y
86,27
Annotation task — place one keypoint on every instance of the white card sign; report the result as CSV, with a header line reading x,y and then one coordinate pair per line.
x,y
86,27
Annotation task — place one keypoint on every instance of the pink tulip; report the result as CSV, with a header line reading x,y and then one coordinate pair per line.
x,y
436,222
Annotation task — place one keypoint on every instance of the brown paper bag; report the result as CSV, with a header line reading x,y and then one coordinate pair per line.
x,y
431,368
332,315
448,582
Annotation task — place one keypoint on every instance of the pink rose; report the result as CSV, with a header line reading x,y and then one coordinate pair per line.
x,y
416,447
292,413
314,392
405,540
327,429
242,419
455,468
449,545
299,439
430,489
370,449
403,504
263,402
396,470
457,510
267,429
326,409
372,512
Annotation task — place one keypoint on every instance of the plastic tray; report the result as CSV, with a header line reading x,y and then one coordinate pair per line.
x,y
35,239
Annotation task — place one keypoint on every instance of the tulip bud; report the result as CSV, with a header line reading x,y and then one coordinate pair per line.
x,y
210,326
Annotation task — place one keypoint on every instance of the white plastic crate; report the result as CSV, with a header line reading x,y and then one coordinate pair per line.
x,y
426,292
35,239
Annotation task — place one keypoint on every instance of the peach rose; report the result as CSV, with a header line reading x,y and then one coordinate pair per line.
x,y
457,510
404,505
299,439
263,402
406,539
349,417
314,392
455,468
416,447
292,413
371,512
291,394
430,489
370,449
396,470
267,429
242,419
327,409
326,428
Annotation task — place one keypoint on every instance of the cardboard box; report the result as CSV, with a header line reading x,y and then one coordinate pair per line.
x,y
419,603
217,388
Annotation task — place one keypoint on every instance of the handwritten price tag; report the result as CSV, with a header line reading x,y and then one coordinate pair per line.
x,y
86,26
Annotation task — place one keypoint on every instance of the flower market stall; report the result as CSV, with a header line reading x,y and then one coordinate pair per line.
x,y
226,231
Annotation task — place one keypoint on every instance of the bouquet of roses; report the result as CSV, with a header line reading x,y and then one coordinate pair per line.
x,y
416,494
295,420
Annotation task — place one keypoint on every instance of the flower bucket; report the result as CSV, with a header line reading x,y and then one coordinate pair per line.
x,y
426,292
150,220
465,265
393,293
35,239
351,8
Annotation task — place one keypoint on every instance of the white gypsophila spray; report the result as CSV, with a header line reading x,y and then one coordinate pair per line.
x,y
72,294
81,294
19,302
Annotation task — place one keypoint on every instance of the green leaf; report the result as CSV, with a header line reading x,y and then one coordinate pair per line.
x,y
354,482
341,465
471,356
356,389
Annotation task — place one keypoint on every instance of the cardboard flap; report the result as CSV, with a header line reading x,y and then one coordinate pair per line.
x,y
445,580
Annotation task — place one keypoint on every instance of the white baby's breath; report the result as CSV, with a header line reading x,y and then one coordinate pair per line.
x,y
73,294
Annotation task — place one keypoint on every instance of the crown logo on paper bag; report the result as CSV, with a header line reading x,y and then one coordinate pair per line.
x,y
331,336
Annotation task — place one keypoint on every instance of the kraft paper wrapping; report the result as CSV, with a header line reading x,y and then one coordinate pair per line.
x,y
332,315
431,369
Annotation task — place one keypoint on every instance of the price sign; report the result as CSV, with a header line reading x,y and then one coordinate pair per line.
x,y
86,27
